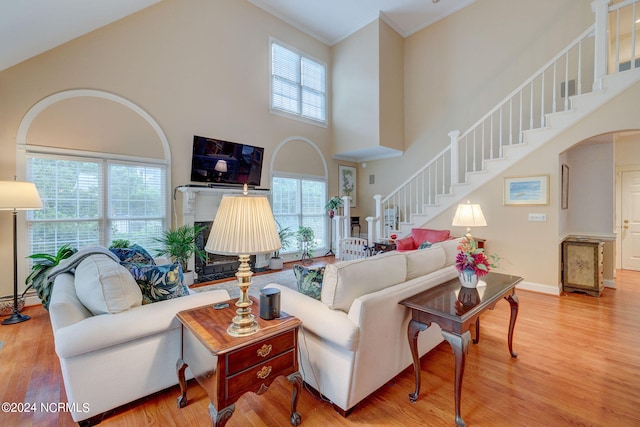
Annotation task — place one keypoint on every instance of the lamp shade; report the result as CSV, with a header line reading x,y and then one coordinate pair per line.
x,y
243,225
221,166
468,215
19,196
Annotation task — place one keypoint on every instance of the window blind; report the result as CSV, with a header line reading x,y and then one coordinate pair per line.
x,y
298,84
90,201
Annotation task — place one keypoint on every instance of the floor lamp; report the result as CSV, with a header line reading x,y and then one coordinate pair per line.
x,y
244,225
17,196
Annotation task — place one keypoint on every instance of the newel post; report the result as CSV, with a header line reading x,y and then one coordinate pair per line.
x,y
601,10
455,160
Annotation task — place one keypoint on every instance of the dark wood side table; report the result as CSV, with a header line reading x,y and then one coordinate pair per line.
x,y
227,367
456,309
384,246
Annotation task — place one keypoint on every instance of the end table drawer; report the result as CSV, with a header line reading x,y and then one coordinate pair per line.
x,y
263,373
257,353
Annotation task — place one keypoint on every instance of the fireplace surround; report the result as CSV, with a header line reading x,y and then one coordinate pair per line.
x,y
199,205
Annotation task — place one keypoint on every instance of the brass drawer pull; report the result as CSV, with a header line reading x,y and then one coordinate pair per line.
x,y
264,350
264,372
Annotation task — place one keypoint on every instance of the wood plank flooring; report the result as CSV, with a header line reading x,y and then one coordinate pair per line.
x,y
578,365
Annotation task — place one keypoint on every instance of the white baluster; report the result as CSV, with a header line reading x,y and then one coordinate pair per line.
x,y
601,10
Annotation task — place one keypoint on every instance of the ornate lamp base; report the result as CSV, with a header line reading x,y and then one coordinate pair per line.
x,y
244,323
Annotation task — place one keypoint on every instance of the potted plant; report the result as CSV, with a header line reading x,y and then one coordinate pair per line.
x,y
285,234
332,205
180,246
306,242
42,264
120,244
472,262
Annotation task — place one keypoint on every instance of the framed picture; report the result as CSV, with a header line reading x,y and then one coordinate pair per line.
x,y
564,203
347,183
524,191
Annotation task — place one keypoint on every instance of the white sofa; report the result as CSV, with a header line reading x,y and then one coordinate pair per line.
x,y
354,339
109,360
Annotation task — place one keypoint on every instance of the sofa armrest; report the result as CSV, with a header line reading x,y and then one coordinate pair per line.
x,y
316,317
405,244
106,330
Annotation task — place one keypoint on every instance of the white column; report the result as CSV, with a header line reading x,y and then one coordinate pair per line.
x,y
346,212
378,224
601,10
371,223
455,161
337,235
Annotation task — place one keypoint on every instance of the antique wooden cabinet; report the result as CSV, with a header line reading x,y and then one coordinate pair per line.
x,y
582,266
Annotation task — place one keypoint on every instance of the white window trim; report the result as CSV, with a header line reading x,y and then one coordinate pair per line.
x,y
282,113
21,160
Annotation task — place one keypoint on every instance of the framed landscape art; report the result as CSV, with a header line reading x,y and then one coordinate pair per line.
x,y
347,183
525,191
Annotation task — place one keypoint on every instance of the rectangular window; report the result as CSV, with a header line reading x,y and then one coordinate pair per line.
x,y
92,201
300,201
298,84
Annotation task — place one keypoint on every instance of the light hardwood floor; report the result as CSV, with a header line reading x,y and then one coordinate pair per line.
x,y
578,365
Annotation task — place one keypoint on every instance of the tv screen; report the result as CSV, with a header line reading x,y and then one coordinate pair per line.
x,y
222,162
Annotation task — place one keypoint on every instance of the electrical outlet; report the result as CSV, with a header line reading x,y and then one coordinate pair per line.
x,y
538,217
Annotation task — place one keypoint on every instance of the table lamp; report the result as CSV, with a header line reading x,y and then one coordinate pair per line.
x,y
17,196
469,215
244,225
220,167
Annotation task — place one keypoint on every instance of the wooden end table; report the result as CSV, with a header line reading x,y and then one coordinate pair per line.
x,y
456,309
227,367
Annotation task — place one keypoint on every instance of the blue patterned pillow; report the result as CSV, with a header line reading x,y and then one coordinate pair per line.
x,y
309,280
158,282
135,254
425,245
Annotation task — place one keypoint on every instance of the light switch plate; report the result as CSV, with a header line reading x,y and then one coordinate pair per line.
x,y
538,217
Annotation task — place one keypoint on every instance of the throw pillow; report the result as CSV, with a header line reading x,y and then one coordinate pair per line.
x,y
309,280
104,286
135,254
158,282
424,245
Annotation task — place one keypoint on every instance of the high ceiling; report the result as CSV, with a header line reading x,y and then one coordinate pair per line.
x,y
31,27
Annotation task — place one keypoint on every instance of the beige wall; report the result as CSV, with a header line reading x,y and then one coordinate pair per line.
x,y
391,87
355,91
458,68
196,66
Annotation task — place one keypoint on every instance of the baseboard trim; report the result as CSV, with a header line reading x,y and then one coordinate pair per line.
x,y
539,287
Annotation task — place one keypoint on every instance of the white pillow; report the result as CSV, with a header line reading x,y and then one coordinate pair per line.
x,y
345,281
424,261
450,249
104,286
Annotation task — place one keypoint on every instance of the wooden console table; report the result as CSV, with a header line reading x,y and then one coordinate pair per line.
x,y
227,367
456,309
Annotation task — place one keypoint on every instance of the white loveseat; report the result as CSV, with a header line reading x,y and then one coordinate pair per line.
x,y
354,339
109,360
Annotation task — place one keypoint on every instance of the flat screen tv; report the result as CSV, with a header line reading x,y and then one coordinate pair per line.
x,y
220,162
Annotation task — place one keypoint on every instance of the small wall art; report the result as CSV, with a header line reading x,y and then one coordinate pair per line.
x,y
347,183
524,191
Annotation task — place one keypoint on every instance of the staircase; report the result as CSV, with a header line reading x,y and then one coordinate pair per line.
x,y
570,86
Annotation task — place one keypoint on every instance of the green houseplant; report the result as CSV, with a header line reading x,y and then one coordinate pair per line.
x,y
180,245
285,234
42,264
306,242
332,205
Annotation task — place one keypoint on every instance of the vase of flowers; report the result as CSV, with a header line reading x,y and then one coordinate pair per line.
x,y
472,262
